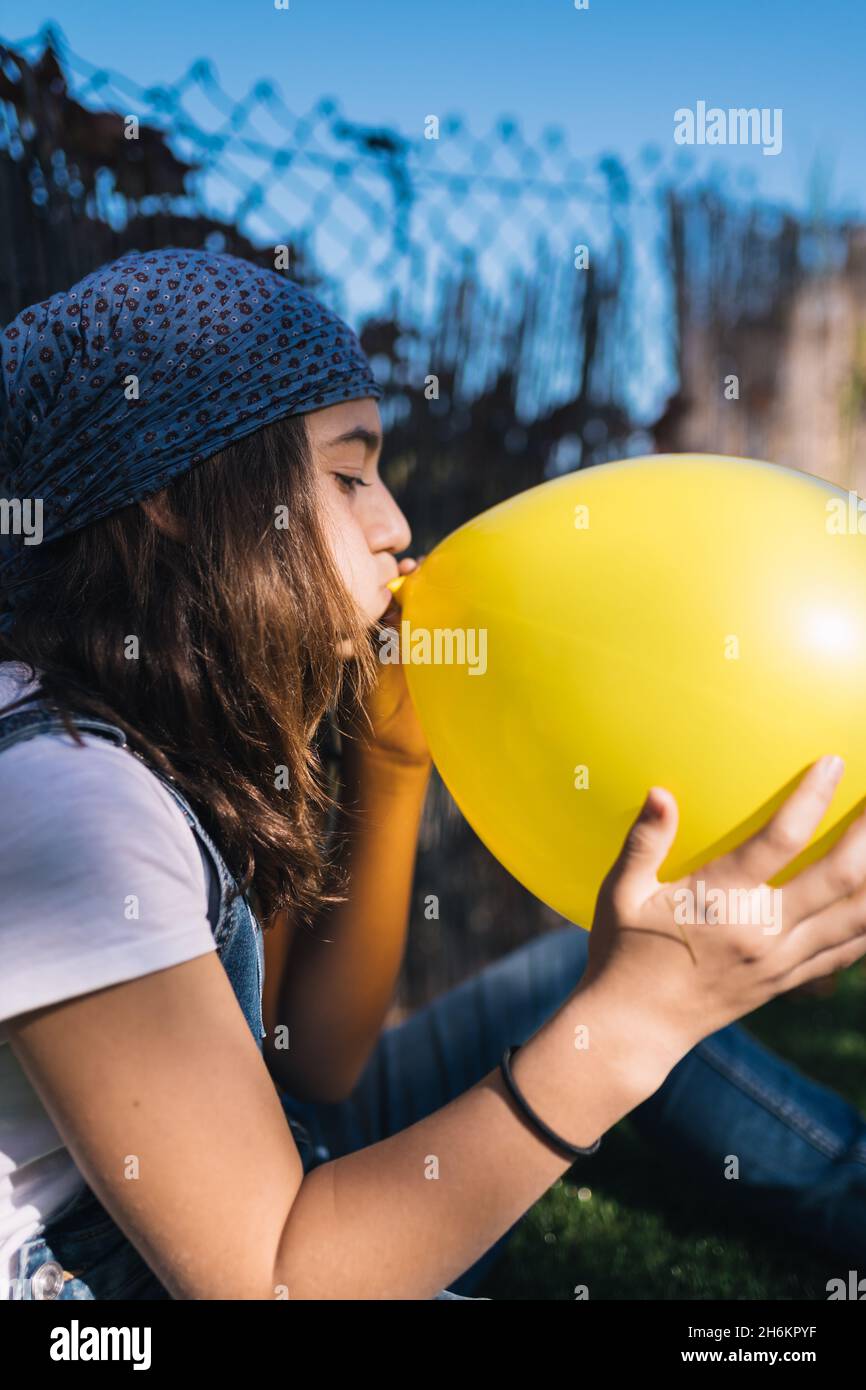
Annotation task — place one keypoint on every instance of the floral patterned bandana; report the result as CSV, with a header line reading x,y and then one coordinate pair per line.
x,y
139,372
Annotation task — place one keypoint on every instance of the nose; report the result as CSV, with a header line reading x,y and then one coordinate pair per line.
x,y
390,529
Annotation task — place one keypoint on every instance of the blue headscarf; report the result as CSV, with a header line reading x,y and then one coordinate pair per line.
x,y
143,369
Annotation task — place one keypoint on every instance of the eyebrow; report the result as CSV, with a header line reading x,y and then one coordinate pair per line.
x,y
370,439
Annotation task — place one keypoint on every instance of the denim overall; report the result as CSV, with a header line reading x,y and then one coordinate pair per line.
x,y
81,1253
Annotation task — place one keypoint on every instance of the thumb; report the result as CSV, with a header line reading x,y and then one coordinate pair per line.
x,y
646,845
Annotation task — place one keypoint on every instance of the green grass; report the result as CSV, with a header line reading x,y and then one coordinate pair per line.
x,y
627,1228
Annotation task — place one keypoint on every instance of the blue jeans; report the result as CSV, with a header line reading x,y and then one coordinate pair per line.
x,y
801,1148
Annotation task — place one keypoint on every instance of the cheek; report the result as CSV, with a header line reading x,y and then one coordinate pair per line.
x,y
334,524
351,554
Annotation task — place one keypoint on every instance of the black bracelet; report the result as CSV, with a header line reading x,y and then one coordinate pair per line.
x,y
558,1142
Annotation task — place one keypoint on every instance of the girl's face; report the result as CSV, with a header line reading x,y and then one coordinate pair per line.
x,y
366,527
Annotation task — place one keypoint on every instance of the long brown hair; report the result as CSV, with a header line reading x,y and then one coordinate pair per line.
x,y
211,635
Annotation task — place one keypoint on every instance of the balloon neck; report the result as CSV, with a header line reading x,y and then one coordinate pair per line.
x,y
397,586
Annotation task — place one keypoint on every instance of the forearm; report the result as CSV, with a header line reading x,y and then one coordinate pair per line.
x,y
340,974
404,1217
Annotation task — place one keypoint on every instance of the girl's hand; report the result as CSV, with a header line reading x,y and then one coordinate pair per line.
x,y
397,736
686,978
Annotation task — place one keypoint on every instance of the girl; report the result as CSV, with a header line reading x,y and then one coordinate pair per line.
x,y
195,442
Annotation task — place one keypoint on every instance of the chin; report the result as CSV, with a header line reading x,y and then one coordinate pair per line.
x,y
388,607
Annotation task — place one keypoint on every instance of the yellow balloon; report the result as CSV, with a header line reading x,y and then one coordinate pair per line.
x,y
689,621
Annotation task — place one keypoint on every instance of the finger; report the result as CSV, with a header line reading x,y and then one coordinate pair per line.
x,y
830,930
633,875
838,873
787,832
828,962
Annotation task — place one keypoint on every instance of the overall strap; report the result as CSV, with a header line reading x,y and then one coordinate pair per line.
x,y
22,724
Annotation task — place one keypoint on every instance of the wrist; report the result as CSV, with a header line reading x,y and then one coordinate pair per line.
x,y
588,1067
638,1045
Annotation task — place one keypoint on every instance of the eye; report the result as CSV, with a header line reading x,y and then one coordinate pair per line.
x,y
348,482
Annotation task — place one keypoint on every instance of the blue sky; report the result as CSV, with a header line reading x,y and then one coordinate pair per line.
x,y
610,76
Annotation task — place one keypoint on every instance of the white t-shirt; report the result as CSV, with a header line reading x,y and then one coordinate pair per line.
x,y
81,830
